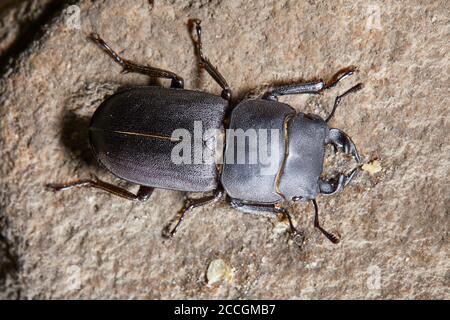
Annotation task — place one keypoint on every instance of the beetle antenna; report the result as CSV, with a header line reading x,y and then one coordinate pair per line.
x,y
337,101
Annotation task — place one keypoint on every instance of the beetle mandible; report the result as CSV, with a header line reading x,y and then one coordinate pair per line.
x,y
131,136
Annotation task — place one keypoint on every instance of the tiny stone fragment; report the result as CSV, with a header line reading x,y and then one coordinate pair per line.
x,y
218,271
372,167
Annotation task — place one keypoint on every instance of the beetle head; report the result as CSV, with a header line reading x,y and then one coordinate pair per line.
x,y
340,141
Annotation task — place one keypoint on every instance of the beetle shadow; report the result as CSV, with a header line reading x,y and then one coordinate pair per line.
x,y
9,264
76,119
75,139
30,31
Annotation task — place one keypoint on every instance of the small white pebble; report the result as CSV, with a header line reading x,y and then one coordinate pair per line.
x,y
372,167
218,271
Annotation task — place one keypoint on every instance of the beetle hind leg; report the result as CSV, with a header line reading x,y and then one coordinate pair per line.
x,y
129,66
144,193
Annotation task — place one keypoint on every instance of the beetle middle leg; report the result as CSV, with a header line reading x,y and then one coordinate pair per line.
x,y
129,66
189,205
144,193
205,63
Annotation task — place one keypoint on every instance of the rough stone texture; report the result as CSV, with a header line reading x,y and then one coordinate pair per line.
x,y
88,244
18,23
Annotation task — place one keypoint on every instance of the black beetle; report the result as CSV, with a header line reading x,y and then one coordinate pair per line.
x,y
131,136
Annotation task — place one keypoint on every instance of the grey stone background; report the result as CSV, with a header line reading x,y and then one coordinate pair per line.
x,y
87,244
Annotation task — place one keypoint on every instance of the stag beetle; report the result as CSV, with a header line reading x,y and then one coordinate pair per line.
x,y
131,136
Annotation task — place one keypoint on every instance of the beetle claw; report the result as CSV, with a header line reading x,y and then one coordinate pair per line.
x,y
333,238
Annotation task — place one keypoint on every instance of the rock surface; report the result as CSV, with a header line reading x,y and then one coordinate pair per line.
x,y
88,244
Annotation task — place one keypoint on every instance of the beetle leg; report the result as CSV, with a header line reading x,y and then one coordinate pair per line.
x,y
207,65
311,88
254,208
190,204
142,195
297,235
329,236
129,66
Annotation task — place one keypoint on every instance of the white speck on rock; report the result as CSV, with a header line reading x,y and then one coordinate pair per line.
x,y
372,167
218,271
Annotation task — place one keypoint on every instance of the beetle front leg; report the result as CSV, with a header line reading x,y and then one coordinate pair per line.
x,y
302,88
205,63
190,204
142,195
310,87
128,66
